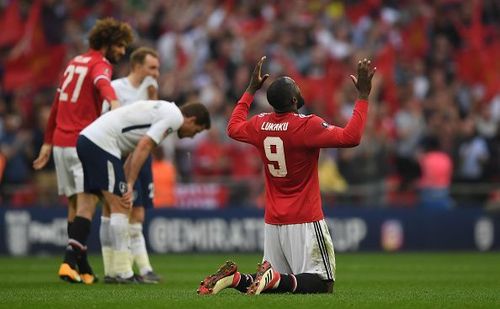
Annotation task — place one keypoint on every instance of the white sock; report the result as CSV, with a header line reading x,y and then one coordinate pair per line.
x,y
106,250
121,264
121,255
138,248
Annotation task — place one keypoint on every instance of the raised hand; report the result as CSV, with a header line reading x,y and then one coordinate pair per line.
x,y
257,80
363,81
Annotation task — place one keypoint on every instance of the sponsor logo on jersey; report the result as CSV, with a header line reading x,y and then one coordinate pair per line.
x,y
169,130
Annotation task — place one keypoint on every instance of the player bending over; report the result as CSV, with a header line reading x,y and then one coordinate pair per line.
x,y
136,128
140,84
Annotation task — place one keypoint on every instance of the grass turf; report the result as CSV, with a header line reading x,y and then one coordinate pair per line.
x,y
364,280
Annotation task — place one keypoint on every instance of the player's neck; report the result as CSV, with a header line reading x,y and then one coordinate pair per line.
x,y
286,111
135,80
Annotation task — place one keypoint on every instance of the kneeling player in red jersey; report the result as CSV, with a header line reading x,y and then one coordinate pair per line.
x,y
298,250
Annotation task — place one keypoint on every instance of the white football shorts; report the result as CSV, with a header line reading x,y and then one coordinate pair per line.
x,y
300,248
69,171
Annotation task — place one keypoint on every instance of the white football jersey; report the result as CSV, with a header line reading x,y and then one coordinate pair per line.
x,y
119,130
128,94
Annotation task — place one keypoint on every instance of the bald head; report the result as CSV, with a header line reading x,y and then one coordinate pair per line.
x,y
284,95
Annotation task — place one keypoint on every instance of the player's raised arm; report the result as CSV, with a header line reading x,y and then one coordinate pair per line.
x,y
235,127
363,81
257,80
321,134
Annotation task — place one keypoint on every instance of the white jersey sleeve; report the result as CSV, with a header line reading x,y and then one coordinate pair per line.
x,y
169,120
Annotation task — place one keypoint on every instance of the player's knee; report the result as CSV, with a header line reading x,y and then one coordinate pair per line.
x,y
137,215
85,211
85,205
313,283
135,230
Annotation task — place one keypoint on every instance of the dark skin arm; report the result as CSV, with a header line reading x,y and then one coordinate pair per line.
x,y
257,80
363,81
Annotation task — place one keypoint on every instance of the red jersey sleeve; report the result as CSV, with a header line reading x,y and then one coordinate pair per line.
x,y
101,77
238,125
322,135
51,123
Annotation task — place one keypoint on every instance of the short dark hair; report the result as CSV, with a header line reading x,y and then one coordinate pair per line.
x,y
199,111
281,92
138,55
109,31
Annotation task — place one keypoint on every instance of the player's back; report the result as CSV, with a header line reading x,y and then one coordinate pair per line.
x,y
292,186
78,99
119,131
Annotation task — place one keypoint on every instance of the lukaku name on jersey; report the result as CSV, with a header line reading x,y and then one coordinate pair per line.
x,y
269,126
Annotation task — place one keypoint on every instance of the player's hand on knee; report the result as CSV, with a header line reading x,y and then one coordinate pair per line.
x,y
127,198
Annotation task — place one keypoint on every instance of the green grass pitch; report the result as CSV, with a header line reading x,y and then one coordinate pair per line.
x,y
364,280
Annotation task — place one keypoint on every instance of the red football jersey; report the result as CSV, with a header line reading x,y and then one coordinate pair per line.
x,y
78,101
289,146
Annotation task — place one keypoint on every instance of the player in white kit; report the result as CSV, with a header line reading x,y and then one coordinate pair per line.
x,y
134,129
140,84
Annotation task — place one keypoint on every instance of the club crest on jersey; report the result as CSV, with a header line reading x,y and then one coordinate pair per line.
x,y
122,186
169,130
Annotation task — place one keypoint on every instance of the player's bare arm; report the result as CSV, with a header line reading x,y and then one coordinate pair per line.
x,y
43,157
137,159
114,104
363,81
257,80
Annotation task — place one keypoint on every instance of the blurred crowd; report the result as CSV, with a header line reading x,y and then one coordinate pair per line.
x,y
434,109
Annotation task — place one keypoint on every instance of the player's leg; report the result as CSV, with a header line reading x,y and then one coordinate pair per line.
x,y
121,262
66,160
144,200
312,256
79,233
138,247
302,244
106,244
71,210
227,276
85,209
68,270
274,274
